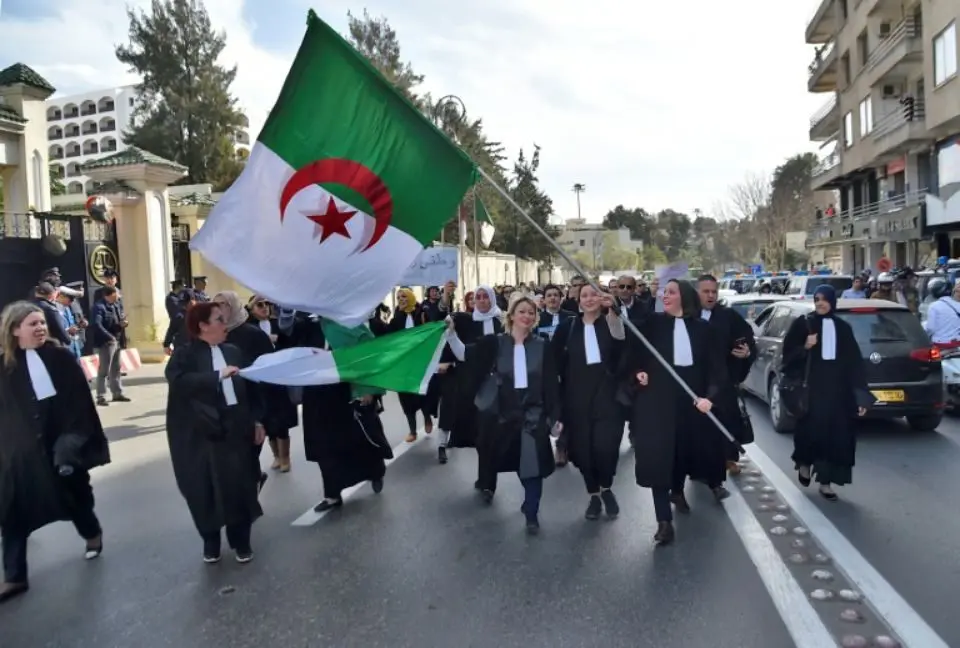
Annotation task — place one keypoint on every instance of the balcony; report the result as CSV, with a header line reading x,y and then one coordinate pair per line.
x,y
824,70
900,130
826,121
899,55
826,172
824,24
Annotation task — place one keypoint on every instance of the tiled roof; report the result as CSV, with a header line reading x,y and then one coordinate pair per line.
x,y
130,157
116,187
20,73
10,114
202,200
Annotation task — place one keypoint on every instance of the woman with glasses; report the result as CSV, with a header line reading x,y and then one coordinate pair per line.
x,y
281,413
821,350
214,423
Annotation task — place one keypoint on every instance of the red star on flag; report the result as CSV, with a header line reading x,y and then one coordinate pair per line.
x,y
332,221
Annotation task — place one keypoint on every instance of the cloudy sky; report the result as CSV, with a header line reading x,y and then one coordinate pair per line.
x,y
653,105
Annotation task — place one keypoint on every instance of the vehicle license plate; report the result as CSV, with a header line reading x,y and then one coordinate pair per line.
x,y
890,396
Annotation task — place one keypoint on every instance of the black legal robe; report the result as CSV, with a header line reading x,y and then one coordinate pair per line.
x,y
529,412
280,414
826,436
211,443
671,438
592,418
413,403
728,326
32,433
344,439
458,414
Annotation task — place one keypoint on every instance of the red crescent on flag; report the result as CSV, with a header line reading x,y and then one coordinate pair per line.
x,y
89,203
349,174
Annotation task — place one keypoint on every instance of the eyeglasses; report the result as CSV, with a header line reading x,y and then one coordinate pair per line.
x,y
260,304
627,287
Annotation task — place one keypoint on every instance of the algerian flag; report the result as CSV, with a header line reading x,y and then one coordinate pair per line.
x,y
346,184
401,362
486,224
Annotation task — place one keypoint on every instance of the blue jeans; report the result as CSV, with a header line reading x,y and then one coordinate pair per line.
x,y
532,492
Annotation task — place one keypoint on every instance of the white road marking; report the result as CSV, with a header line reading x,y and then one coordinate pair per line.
x,y
803,623
311,517
890,606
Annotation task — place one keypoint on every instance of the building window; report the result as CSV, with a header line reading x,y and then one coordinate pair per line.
x,y
848,129
583,243
945,54
866,116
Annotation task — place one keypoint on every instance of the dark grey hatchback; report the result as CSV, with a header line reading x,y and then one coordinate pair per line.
x,y
902,366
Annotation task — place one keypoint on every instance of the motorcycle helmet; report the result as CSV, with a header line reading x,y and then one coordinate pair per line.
x,y
885,278
938,287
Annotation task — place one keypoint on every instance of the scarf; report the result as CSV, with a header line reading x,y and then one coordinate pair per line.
x,y
494,311
828,331
342,337
237,314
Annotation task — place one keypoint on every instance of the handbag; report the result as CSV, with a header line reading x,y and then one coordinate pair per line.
x,y
795,394
487,400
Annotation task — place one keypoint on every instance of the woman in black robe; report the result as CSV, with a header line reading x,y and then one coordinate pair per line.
x,y
672,437
342,432
458,414
50,438
407,316
214,420
825,442
518,404
589,351
281,413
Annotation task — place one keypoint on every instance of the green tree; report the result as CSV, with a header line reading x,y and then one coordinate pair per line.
x,y
185,110
652,256
638,221
522,239
377,41
57,188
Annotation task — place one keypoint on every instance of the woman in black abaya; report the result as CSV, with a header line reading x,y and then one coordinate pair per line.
x,y
824,442
589,350
672,437
458,415
405,317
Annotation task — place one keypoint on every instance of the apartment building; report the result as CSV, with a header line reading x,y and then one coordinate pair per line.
x,y
84,127
888,130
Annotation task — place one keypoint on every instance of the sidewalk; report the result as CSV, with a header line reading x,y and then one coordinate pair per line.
x,y
145,414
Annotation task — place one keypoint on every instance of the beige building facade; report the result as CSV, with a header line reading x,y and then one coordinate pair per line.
x,y
888,130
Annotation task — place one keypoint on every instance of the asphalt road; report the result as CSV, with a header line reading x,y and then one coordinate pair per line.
x,y
425,564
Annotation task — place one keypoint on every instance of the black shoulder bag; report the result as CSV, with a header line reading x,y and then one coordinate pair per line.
x,y
794,393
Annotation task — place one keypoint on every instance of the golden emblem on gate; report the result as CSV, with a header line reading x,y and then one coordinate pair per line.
x,y
102,258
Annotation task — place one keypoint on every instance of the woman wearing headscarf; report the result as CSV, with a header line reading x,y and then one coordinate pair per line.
x,y
253,343
50,438
824,442
406,317
518,404
214,420
458,414
281,413
589,353
672,437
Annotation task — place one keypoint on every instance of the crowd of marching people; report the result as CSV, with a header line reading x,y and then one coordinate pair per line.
x,y
521,366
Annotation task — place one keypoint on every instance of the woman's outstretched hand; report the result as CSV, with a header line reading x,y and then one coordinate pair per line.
x,y
703,405
643,378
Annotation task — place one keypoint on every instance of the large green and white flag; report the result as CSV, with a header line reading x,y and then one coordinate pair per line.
x,y
402,362
345,185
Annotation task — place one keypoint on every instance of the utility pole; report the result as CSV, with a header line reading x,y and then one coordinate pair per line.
x,y
579,188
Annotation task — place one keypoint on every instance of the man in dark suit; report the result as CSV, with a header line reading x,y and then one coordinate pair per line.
x,y
735,335
107,329
44,297
552,314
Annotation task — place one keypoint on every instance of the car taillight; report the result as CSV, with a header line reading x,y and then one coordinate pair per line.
x,y
929,354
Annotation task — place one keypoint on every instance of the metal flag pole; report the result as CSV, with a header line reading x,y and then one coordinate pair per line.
x,y
626,321
476,236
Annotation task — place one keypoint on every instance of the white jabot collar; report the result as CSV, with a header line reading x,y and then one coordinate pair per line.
x,y
590,344
519,367
39,376
409,323
219,362
828,343
487,326
682,351
706,314
265,327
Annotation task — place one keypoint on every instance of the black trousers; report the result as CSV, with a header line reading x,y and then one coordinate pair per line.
x,y
80,496
597,479
238,538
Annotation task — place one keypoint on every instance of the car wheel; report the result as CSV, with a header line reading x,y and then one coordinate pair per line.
x,y
781,421
925,422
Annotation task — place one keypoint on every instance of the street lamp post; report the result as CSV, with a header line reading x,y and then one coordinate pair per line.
x,y
579,188
447,113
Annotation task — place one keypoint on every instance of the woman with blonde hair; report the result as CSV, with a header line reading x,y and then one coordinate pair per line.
x,y
50,438
517,402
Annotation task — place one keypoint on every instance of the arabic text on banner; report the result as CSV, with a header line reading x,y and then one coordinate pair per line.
x,y
434,266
